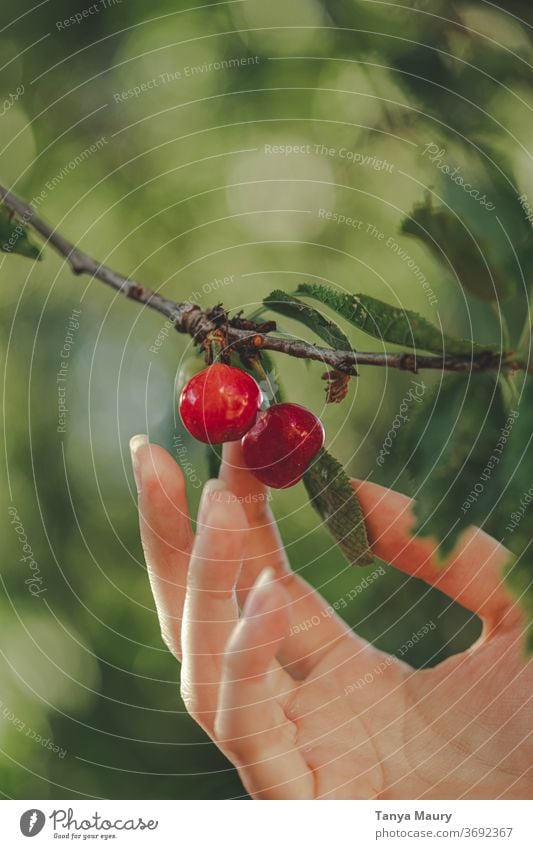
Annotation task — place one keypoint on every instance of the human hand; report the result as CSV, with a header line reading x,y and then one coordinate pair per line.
x,y
281,702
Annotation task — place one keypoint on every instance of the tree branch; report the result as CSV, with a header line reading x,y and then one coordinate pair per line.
x,y
196,322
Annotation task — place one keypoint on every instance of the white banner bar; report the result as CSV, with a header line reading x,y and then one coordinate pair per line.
x,y
269,825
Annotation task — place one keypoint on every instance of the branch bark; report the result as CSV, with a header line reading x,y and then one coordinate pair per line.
x,y
196,322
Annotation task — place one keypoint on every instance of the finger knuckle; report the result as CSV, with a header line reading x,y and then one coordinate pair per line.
x,y
169,640
225,736
219,728
189,700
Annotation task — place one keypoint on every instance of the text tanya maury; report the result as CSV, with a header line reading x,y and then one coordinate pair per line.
x,y
413,815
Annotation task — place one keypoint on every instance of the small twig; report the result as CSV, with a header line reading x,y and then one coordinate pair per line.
x,y
81,263
245,335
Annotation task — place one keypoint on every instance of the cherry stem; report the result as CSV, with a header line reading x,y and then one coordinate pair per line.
x,y
257,366
199,323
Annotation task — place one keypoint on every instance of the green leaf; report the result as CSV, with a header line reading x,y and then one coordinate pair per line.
x,y
514,523
14,238
292,307
390,324
519,579
451,243
452,446
332,496
515,471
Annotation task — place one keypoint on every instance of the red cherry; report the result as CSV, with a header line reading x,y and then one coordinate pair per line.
x,y
219,404
280,446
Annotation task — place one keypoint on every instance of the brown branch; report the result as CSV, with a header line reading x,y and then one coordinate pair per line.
x,y
196,322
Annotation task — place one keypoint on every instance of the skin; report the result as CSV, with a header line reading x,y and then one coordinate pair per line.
x,y
283,707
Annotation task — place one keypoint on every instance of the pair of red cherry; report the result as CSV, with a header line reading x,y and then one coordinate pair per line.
x,y
222,404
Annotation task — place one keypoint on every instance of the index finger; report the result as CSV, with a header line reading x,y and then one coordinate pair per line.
x,y
472,574
166,532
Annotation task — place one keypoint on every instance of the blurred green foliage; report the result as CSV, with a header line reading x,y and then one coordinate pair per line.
x,y
183,191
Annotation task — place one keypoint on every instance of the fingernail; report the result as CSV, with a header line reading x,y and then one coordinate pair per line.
x,y
208,496
137,442
254,604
